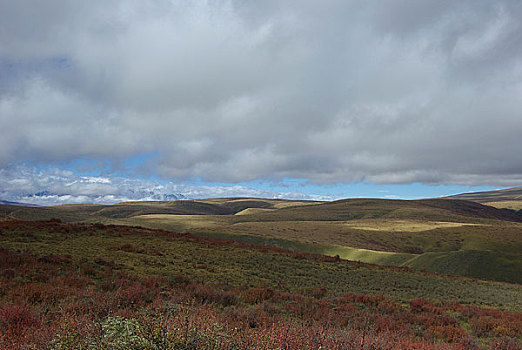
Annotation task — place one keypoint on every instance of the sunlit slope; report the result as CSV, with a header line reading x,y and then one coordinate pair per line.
x,y
514,193
510,198
429,209
442,235
490,251
513,205
90,212
158,253
349,209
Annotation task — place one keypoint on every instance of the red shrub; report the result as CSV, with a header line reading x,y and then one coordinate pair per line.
x,y
210,294
483,326
257,294
450,334
14,319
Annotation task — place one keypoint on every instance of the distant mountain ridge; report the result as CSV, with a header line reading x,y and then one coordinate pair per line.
x,y
508,194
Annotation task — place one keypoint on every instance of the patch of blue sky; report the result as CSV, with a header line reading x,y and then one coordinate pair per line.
x,y
353,190
367,190
130,168
10,67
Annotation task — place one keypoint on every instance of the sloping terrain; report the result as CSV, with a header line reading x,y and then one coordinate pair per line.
x,y
428,209
509,194
96,212
441,235
148,252
348,209
91,286
510,198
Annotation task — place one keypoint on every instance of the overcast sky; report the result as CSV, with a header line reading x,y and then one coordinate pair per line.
x,y
228,93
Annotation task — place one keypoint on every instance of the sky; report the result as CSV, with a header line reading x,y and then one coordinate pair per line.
x,y
105,101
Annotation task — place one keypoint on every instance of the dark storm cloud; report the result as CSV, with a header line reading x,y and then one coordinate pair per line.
x,y
331,91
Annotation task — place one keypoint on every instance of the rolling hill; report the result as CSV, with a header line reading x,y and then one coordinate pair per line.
x,y
510,198
442,235
508,194
94,286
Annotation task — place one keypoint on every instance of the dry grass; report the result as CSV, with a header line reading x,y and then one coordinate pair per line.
x,y
449,236
487,250
78,286
155,253
178,223
508,194
275,203
253,211
402,225
514,205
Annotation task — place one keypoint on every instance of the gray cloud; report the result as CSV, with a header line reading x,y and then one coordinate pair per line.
x,y
336,91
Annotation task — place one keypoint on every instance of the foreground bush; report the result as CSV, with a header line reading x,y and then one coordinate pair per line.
x,y
60,302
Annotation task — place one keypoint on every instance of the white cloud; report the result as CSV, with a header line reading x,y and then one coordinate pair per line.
x,y
54,186
331,92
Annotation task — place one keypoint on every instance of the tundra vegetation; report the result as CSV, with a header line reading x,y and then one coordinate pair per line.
x,y
95,286
449,236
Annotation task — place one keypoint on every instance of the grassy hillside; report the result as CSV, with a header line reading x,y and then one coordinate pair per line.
x,y
147,252
510,198
281,210
96,212
507,194
406,243
507,204
90,286
350,209
435,235
440,235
